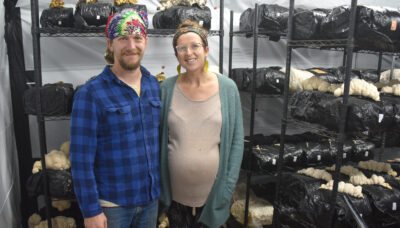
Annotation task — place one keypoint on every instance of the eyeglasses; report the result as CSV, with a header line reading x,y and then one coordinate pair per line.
x,y
192,47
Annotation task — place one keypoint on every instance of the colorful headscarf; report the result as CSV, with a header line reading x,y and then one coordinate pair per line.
x,y
127,22
181,31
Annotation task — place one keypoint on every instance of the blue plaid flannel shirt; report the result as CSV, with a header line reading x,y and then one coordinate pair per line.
x,y
114,142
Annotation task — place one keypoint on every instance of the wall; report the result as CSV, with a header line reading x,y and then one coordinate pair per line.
x,y
77,59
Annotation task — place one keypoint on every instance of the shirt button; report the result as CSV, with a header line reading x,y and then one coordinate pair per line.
x,y
148,152
143,118
145,135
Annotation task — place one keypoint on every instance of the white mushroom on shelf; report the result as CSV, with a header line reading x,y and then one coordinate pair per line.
x,y
359,87
343,187
358,178
377,166
316,173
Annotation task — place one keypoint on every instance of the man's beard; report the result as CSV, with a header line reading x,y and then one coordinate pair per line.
x,y
129,66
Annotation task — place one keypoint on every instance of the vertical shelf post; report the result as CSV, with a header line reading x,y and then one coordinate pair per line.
x,y
383,142
284,110
254,78
39,116
379,66
344,58
253,107
342,124
221,37
392,67
230,44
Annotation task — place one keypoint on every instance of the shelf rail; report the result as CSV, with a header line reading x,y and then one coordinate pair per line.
x,y
40,119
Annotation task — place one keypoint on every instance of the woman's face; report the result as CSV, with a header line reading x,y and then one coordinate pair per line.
x,y
191,52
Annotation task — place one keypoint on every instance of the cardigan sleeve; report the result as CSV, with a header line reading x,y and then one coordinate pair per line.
x,y
237,143
166,95
216,209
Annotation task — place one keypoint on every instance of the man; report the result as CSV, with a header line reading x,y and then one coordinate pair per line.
x,y
114,133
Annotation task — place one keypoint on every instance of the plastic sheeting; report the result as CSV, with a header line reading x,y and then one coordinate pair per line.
x,y
376,28
309,207
271,80
303,150
362,150
60,184
334,75
307,24
370,75
266,158
172,17
92,14
127,5
271,18
57,17
9,174
364,115
268,80
73,212
385,203
9,177
395,166
56,99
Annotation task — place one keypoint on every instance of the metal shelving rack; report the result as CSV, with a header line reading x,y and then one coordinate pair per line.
x,y
348,47
38,32
348,44
255,34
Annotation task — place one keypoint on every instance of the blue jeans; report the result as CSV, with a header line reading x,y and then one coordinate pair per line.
x,y
144,216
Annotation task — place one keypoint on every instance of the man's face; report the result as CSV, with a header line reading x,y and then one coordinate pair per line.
x,y
128,51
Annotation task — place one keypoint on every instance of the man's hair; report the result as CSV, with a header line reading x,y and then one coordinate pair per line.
x,y
109,56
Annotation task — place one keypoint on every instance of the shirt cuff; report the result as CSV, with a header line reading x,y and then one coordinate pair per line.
x,y
91,213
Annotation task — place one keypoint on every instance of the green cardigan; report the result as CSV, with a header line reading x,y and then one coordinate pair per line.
x,y
216,210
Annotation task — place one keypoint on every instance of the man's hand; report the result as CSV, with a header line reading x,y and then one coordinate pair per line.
x,y
98,221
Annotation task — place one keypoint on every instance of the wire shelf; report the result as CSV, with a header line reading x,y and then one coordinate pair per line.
x,y
262,95
313,128
57,118
327,44
374,52
72,32
99,32
328,133
339,43
261,34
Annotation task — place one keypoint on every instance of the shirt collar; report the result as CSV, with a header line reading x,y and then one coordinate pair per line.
x,y
108,74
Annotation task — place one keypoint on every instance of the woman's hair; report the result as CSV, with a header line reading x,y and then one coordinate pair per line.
x,y
191,23
190,26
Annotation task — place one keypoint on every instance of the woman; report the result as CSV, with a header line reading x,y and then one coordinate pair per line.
x,y
201,136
